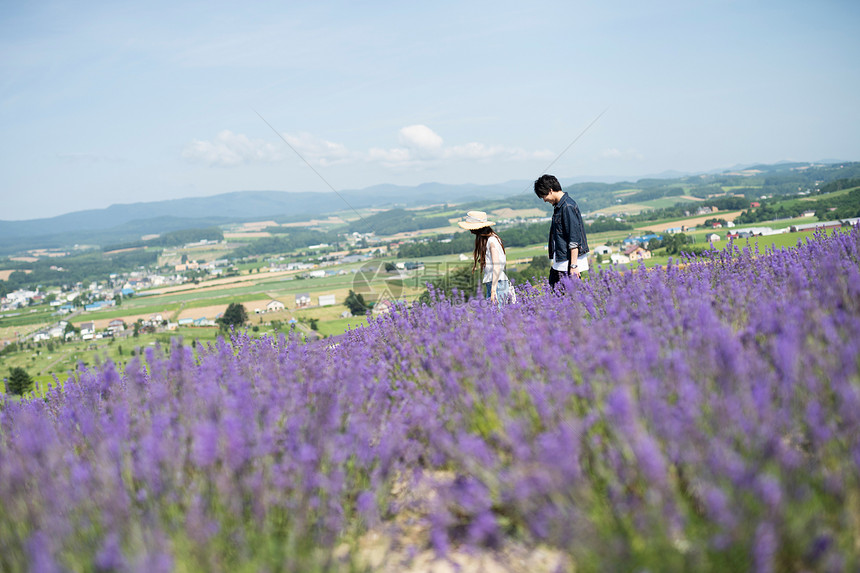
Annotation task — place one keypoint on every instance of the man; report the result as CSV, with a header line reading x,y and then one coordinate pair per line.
x,y
567,242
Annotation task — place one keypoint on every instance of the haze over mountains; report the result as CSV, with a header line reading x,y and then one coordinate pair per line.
x,y
161,216
244,205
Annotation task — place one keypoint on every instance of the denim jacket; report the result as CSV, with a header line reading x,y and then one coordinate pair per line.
x,y
567,230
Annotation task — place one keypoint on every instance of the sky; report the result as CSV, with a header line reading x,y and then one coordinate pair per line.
x,y
114,102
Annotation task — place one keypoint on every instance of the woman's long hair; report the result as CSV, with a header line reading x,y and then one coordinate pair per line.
x,y
483,235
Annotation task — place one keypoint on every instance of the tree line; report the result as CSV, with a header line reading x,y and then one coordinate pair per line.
x,y
287,239
396,221
173,239
682,209
840,207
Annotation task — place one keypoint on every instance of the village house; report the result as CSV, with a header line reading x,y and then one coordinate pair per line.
x,y
712,238
383,306
41,336
637,253
154,320
88,330
641,240
303,300
275,306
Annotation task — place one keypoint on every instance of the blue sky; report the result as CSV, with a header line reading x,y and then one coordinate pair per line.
x,y
115,102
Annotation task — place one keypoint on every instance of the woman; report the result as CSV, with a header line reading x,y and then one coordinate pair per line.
x,y
490,255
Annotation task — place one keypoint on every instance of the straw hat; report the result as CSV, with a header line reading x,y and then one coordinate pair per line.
x,y
475,220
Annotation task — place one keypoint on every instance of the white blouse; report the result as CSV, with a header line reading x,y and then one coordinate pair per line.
x,y
494,246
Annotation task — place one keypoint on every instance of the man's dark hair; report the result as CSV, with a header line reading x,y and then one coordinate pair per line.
x,y
545,185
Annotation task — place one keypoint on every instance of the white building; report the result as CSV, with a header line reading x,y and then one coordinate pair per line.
x,y
88,330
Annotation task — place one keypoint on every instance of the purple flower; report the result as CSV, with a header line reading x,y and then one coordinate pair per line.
x,y
764,547
110,557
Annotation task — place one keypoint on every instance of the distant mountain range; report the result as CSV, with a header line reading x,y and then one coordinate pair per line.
x,y
129,222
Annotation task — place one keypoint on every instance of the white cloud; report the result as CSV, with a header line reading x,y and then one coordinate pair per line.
x,y
419,146
420,137
317,150
229,149
392,156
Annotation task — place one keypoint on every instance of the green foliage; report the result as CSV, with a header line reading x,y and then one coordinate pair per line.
x,y
522,201
9,348
288,239
438,245
771,210
356,304
522,235
604,224
536,270
461,279
844,206
19,381
174,239
683,209
656,192
675,243
690,249
396,221
235,316
839,185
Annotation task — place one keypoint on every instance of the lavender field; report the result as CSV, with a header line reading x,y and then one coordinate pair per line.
x,y
700,417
